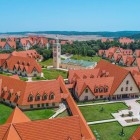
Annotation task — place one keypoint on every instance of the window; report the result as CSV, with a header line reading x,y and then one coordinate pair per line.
x,y
53,104
122,89
86,91
127,82
106,89
42,105
131,88
47,104
44,97
9,95
38,105
31,106
96,90
51,96
17,97
101,89
30,98
92,76
37,97
126,89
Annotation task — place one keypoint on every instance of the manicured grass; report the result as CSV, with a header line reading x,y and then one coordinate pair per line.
x,y
53,74
86,58
5,74
38,78
94,113
5,112
40,114
63,114
138,101
23,79
110,131
48,62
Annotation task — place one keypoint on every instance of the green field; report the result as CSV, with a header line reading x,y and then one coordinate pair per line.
x,y
48,62
111,131
5,112
86,58
138,101
53,74
95,112
40,114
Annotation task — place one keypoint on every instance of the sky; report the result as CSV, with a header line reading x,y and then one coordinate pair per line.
x,y
69,15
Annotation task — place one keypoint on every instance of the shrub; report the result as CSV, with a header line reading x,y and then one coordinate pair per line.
x,y
130,113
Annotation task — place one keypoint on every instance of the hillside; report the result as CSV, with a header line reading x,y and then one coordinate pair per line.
x,y
69,33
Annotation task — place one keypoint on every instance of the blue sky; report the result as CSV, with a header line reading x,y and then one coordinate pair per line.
x,y
69,15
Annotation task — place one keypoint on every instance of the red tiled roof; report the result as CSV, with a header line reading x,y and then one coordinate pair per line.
x,y
73,75
136,135
24,89
138,62
27,53
28,63
17,117
93,83
3,58
137,53
113,71
125,40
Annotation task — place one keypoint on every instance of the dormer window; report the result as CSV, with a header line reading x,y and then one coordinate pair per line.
x,y
44,97
84,77
101,89
51,96
30,98
96,90
106,89
37,97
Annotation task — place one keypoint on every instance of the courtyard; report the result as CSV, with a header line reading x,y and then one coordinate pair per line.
x,y
101,111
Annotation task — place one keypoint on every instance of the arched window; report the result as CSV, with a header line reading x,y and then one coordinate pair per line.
x,y
30,98
44,97
101,89
37,98
51,96
106,88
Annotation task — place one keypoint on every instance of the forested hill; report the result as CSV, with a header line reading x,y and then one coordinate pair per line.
x,y
103,34
136,36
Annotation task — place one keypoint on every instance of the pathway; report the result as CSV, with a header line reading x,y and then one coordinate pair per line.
x,y
61,109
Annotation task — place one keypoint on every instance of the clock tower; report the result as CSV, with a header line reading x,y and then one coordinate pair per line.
x,y
56,54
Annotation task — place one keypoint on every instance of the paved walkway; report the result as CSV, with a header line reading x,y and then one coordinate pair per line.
x,y
61,109
103,121
101,103
135,108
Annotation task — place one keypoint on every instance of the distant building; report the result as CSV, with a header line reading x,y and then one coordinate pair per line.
x,y
126,40
56,54
8,45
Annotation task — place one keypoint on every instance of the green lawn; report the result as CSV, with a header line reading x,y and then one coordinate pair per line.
x,y
110,131
94,113
86,58
138,101
5,74
23,79
40,114
63,114
48,62
53,74
5,112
